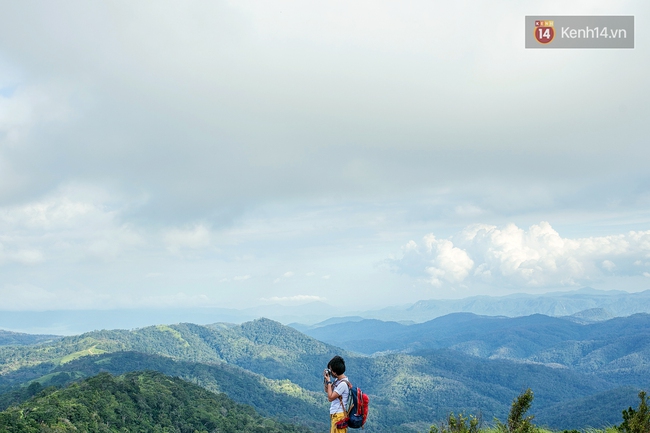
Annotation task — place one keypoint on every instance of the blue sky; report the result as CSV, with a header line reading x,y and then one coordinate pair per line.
x,y
240,153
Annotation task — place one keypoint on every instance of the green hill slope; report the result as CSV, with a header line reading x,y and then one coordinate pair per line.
x,y
208,356
262,346
138,401
278,399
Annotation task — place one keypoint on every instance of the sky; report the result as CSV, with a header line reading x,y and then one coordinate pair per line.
x,y
242,153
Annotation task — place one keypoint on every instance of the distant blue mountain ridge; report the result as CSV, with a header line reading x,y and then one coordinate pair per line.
x,y
584,305
21,339
613,303
614,348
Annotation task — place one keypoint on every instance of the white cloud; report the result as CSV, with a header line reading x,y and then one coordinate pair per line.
x,y
28,257
22,256
284,276
125,128
28,107
68,208
180,151
608,265
73,223
468,210
111,243
449,263
196,237
537,257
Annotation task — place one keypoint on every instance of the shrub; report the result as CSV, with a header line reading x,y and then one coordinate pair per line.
x,y
458,424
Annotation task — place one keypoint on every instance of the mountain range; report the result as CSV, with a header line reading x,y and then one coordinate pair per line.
x,y
72,322
616,303
551,341
582,374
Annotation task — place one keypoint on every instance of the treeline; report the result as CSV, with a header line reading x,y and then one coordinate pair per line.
x,y
280,400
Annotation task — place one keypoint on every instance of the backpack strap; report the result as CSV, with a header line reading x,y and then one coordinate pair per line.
x,y
345,411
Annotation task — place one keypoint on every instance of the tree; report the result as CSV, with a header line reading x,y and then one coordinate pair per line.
x,y
517,421
636,421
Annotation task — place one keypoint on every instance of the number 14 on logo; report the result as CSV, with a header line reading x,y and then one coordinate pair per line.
x,y
544,31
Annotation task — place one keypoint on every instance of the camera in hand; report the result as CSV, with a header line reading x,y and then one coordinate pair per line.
x,y
327,375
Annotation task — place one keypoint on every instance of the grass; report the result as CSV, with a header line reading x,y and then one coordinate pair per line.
x,y
90,351
177,335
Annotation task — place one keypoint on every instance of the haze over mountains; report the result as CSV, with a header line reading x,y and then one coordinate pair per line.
x,y
70,322
613,302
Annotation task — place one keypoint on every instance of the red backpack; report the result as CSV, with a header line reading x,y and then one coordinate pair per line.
x,y
357,408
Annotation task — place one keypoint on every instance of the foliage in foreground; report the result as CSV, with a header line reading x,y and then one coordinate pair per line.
x,y
517,421
136,402
637,421
634,420
458,424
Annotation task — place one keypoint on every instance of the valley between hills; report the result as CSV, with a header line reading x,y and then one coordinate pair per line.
x,y
582,373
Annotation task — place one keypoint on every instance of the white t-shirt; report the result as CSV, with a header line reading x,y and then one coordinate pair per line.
x,y
341,388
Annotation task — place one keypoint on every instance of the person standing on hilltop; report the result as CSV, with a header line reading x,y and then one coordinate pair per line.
x,y
337,392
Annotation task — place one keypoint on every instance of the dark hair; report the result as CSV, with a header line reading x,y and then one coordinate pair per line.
x,y
337,365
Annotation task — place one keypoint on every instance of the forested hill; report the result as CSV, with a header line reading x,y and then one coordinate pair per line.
x,y
138,401
610,345
262,363
278,370
260,346
281,400
17,338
